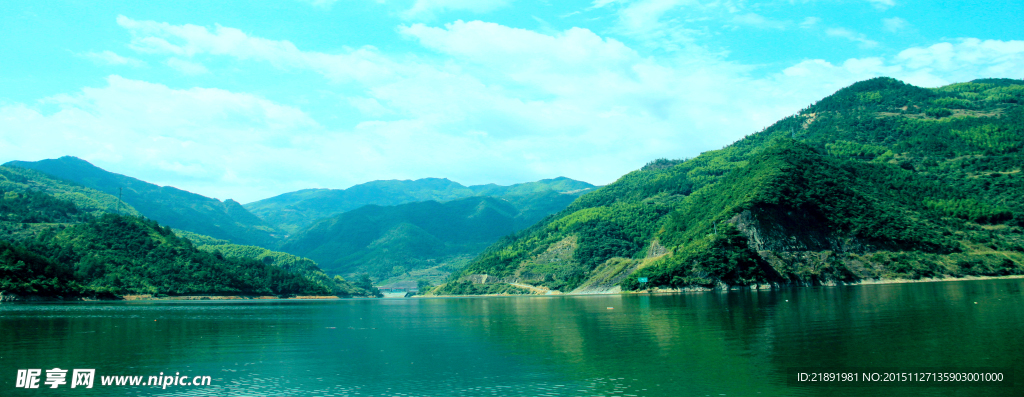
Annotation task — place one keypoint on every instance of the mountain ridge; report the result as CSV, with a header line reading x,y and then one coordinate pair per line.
x,y
297,210
175,207
424,240
51,248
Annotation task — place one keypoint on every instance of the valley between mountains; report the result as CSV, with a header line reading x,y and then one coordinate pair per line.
x,y
880,181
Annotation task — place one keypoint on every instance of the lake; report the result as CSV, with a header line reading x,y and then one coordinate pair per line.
x,y
738,343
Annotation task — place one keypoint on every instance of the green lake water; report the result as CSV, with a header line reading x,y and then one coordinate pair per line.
x,y
740,343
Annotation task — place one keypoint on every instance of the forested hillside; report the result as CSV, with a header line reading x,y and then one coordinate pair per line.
x,y
49,247
397,249
423,240
16,179
360,285
116,255
173,207
880,180
292,212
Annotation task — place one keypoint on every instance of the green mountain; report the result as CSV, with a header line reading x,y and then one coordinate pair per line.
x,y
171,206
116,255
424,240
296,264
880,180
52,248
298,210
91,201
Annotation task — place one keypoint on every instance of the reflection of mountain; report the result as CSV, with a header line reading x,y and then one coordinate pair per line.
x,y
744,342
736,343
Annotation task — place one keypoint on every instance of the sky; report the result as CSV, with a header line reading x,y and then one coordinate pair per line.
x,y
250,99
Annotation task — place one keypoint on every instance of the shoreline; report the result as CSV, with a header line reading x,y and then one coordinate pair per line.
x,y
12,298
5,298
220,297
867,281
756,287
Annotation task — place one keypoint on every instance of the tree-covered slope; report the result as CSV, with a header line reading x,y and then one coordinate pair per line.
x,y
399,240
295,264
116,255
91,201
298,210
880,180
52,248
560,185
171,206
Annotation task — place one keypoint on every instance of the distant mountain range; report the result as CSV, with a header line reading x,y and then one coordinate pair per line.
x,y
422,240
292,212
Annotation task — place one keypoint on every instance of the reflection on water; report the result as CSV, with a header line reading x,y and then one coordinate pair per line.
x,y
699,344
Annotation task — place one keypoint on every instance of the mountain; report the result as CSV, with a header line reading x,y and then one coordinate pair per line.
x,y
295,264
425,240
880,180
51,247
91,201
171,206
114,255
292,212
209,222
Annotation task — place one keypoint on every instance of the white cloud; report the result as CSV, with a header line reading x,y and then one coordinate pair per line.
x,y
882,5
757,21
111,58
852,36
186,67
363,64
187,138
530,101
514,50
810,22
602,3
894,25
320,3
487,103
429,8
645,20
967,59
937,65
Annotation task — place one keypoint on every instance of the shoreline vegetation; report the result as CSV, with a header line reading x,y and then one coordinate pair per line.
x,y
5,298
9,298
755,287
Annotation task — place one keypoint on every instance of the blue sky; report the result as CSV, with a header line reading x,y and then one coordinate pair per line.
x,y
250,99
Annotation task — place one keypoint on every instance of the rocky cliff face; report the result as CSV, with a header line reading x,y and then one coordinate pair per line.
x,y
773,228
803,249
